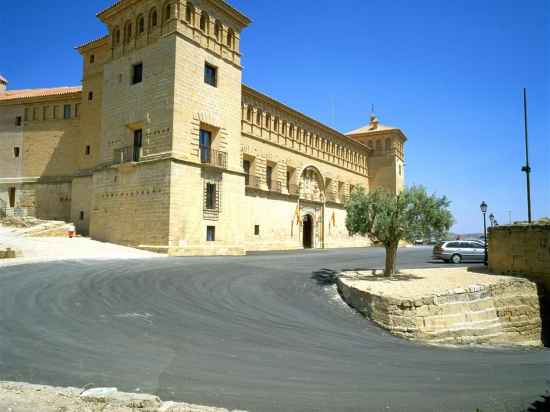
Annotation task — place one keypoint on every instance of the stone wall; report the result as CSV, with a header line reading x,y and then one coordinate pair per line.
x,y
521,250
504,312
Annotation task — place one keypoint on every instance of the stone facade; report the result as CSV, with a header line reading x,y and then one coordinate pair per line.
x,y
164,148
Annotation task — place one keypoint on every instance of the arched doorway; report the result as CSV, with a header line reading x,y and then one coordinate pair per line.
x,y
308,232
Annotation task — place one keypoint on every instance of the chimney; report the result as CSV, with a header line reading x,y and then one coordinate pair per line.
x,y
3,84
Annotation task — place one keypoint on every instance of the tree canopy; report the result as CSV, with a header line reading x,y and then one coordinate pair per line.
x,y
389,218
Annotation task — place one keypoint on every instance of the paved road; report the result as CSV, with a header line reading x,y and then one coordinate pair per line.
x,y
256,333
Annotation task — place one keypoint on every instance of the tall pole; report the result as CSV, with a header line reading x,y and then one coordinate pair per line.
x,y
527,168
486,260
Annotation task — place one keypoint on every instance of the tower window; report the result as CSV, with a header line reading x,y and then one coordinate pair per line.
x,y
18,121
230,38
210,75
211,233
92,58
218,30
257,230
205,22
67,111
90,95
137,73
76,111
211,196
141,24
189,13
88,149
152,19
16,151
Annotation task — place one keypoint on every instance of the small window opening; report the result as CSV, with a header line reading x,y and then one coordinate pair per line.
x,y
210,75
92,58
18,121
81,215
257,230
211,233
16,151
88,149
137,73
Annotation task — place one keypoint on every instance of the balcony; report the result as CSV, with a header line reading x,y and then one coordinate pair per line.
x,y
252,181
126,155
209,156
275,186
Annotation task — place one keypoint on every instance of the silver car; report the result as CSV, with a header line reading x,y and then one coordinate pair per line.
x,y
457,251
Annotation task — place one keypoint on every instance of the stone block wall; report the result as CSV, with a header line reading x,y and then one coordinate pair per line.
x,y
507,312
521,250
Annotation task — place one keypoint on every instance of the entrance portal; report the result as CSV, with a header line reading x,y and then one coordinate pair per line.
x,y
308,232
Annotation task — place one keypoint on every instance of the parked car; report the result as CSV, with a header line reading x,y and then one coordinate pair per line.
x,y
457,251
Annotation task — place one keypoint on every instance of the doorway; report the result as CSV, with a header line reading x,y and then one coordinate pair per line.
x,y
308,232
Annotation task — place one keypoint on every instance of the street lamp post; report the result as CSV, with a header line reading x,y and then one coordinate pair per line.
x,y
483,208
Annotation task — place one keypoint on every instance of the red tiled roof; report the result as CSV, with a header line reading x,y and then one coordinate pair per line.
x,y
29,93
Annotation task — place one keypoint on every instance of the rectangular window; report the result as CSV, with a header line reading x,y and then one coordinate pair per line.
x,y
67,111
211,196
246,168
210,75
92,58
257,230
77,110
45,113
211,233
269,176
81,215
138,143
87,150
137,73
16,151
205,142
56,112
18,121
35,113
90,96
12,196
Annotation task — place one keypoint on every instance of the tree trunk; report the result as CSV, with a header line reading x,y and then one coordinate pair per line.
x,y
391,256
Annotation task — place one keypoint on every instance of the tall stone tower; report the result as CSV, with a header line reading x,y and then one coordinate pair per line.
x,y
386,158
169,119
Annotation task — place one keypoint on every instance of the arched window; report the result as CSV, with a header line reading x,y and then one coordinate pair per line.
x,y
205,22
190,13
153,18
249,114
284,128
127,32
218,29
140,24
259,117
167,13
230,38
291,131
116,35
268,121
276,124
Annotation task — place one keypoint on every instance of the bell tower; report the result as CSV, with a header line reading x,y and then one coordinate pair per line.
x,y
386,160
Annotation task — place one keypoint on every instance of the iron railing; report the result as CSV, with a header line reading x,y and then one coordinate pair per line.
x,y
212,157
123,155
276,186
252,181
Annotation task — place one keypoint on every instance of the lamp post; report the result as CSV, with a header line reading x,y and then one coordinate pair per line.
x,y
492,219
483,208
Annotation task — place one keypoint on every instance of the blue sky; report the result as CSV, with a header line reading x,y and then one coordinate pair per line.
x,y
450,74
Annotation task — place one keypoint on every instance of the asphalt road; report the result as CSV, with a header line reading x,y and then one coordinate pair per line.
x,y
256,333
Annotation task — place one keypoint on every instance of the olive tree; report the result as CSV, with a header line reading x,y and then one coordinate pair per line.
x,y
388,218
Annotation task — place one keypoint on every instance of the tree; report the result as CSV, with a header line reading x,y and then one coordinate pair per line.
x,y
389,218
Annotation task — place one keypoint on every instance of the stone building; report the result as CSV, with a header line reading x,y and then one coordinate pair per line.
x,y
164,148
